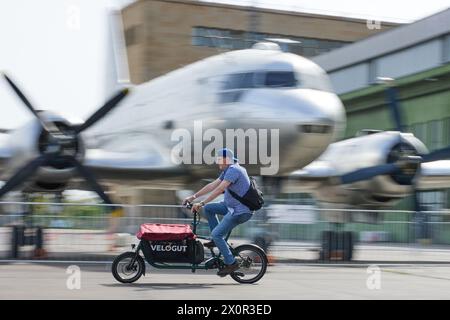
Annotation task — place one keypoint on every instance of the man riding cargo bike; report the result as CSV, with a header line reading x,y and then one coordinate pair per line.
x,y
235,182
178,244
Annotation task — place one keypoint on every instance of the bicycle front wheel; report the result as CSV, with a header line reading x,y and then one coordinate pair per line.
x,y
124,271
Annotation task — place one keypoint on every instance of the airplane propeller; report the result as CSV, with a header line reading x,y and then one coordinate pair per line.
x,y
391,95
47,126
58,139
369,172
397,167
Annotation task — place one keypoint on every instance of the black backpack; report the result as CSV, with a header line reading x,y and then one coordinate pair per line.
x,y
253,198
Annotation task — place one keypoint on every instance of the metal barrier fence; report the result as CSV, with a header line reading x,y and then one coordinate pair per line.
x,y
88,232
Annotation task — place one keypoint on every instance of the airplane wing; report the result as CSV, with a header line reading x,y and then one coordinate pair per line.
x,y
149,163
311,177
434,175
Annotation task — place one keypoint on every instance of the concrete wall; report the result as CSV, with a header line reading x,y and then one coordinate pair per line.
x,y
418,58
162,36
412,60
353,78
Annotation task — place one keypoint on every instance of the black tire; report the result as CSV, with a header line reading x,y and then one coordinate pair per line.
x,y
139,264
16,241
262,259
39,243
328,243
333,241
348,245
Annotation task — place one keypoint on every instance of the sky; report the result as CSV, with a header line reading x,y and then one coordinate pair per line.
x,y
57,50
384,10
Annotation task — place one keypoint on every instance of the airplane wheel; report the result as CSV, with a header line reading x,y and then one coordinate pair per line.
x,y
337,246
39,251
348,244
39,238
16,240
327,245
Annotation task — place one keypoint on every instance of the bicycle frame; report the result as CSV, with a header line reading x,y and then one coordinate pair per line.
x,y
212,263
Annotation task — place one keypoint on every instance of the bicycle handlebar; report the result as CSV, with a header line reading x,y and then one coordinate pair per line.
x,y
188,205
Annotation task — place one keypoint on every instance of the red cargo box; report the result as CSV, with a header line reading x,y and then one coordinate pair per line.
x,y
165,232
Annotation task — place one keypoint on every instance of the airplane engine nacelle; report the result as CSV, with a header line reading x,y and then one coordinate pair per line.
x,y
367,151
31,141
385,189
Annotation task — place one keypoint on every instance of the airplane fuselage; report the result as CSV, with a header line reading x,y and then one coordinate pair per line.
x,y
255,91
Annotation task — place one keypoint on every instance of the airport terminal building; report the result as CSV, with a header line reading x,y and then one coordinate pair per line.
x,y
417,56
163,35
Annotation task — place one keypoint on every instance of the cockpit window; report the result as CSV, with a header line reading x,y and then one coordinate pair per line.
x,y
235,85
250,80
280,79
240,81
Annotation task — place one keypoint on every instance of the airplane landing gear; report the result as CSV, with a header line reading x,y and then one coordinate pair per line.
x,y
337,246
23,236
27,233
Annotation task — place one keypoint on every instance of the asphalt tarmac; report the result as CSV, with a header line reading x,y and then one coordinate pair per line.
x,y
95,281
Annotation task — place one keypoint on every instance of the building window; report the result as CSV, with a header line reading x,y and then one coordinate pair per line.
x,y
446,49
132,35
236,39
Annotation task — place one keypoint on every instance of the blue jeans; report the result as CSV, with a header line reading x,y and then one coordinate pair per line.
x,y
219,230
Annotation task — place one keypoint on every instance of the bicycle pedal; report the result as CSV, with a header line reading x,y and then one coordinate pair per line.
x,y
238,274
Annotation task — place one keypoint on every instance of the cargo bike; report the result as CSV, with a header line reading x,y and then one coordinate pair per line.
x,y
177,246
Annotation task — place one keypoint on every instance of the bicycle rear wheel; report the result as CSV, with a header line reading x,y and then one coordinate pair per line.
x,y
252,263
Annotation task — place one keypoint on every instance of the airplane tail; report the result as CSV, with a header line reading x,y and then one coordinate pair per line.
x,y
117,71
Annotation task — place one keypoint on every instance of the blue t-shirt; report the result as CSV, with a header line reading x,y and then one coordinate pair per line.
x,y
240,182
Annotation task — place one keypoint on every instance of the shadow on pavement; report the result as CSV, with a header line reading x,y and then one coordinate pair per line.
x,y
170,286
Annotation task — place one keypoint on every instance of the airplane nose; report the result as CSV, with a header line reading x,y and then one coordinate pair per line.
x,y
322,127
311,110
322,111
307,121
